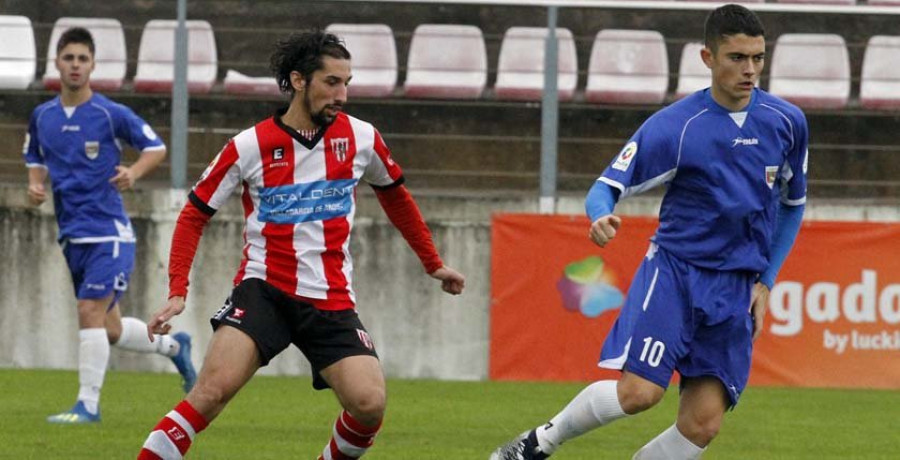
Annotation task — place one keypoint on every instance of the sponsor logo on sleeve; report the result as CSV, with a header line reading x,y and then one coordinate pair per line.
x,y
25,145
623,161
148,132
806,161
92,149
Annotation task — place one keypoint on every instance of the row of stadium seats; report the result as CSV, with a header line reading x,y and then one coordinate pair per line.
x,y
450,62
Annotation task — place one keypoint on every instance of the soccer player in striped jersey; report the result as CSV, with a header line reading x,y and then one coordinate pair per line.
x,y
75,139
734,161
298,170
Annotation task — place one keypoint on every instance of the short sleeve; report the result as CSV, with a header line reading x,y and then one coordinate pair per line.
x,y
649,159
218,181
135,131
382,170
793,173
31,149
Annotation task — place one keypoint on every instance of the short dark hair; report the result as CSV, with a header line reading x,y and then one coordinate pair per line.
x,y
75,35
730,20
302,52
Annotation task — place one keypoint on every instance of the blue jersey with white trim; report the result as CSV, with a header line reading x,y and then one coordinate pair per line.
x,y
725,174
81,153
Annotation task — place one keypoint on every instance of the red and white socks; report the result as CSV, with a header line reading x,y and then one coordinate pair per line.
x,y
350,439
172,436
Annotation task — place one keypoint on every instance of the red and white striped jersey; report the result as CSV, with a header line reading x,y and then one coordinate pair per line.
x,y
299,198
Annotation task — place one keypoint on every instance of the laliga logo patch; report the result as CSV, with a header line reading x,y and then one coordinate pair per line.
x,y
340,146
148,132
771,174
623,161
92,149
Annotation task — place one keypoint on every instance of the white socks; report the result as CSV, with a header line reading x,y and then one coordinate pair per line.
x,y
93,355
669,445
134,338
596,405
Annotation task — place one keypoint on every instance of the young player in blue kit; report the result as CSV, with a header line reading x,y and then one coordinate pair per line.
x,y
75,139
733,159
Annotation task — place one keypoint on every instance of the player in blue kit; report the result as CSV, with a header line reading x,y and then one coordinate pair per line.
x,y
76,139
733,159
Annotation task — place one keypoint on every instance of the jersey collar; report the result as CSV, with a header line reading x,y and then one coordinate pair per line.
x,y
308,143
712,104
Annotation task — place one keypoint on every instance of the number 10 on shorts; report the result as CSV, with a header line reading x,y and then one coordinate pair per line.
x,y
653,351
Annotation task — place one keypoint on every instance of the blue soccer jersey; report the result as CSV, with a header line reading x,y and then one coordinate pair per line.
x,y
81,150
725,173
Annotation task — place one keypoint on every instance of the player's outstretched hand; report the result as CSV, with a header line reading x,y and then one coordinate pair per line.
x,y
159,322
452,282
37,194
604,229
758,306
124,178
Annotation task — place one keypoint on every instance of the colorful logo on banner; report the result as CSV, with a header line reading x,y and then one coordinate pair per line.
x,y
589,286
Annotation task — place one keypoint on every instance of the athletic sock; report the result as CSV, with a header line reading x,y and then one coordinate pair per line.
x,y
172,436
669,445
350,439
93,356
134,338
595,406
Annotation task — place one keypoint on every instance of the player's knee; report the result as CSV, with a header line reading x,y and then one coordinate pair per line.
x,y
210,395
368,407
699,431
113,335
638,397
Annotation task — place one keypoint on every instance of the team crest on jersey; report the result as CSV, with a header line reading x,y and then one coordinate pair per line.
x,y
340,146
623,161
92,149
771,175
365,339
278,154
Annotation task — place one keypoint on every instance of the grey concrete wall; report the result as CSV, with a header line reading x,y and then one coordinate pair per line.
x,y
419,331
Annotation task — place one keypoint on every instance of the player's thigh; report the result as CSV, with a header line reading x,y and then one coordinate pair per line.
x,y
231,360
358,382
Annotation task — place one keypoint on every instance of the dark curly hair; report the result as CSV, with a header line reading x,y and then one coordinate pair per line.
x,y
302,52
75,35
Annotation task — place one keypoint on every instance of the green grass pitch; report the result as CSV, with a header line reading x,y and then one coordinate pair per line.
x,y
282,417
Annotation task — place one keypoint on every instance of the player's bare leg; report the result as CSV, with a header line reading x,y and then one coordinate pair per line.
x,y
231,360
700,412
358,383
93,356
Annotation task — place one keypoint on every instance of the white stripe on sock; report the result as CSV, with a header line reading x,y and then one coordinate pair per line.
x,y
161,445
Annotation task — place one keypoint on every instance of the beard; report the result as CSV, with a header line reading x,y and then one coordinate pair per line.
x,y
320,118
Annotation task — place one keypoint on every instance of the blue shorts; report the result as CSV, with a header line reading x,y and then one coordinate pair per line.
x,y
681,317
100,269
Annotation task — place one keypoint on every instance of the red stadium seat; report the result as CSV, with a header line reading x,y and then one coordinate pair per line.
x,y
18,56
693,75
520,71
723,2
373,55
238,83
156,57
446,61
883,2
880,80
811,70
628,67
110,54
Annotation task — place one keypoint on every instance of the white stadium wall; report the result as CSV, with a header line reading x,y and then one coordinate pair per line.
x,y
419,331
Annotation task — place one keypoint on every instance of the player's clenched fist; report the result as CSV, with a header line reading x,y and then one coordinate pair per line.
x,y
604,229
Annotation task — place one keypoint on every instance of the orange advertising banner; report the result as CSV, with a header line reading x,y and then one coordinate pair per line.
x,y
834,313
